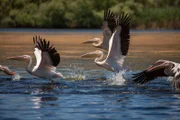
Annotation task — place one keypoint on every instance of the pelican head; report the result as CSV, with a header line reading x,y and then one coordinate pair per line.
x,y
22,58
95,42
92,54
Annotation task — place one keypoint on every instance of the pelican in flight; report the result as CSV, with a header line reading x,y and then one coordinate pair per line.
x,y
118,47
108,26
160,68
47,58
9,72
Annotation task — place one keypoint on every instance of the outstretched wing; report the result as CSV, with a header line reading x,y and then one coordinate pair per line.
x,y
45,54
119,41
110,17
146,76
124,34
152,72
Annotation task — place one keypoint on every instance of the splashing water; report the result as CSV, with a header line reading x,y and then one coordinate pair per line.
x,y
76,72
116,79
16,77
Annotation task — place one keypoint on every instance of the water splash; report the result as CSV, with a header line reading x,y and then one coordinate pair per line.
x,y
76,72
16,77
170,79
116,79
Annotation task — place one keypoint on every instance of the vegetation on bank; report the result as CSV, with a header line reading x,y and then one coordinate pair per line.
x,y
146,14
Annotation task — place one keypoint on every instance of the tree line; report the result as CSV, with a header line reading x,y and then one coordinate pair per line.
x,y
146,14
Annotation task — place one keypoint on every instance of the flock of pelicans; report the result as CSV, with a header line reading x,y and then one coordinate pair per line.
x,y
116,39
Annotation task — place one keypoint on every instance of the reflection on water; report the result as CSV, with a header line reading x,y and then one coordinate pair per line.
x,y
88,91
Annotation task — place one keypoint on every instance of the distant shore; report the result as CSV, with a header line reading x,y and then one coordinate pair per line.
x,y
145,14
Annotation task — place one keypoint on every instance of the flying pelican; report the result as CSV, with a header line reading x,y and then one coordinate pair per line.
x,y
47,59
118,47
160,68
9,72
108,26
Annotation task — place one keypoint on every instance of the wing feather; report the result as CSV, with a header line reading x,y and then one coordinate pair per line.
x,y
45,55
152,72
125,33
111,19
119,41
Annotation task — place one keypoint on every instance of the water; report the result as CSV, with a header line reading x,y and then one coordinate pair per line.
x,y
88,91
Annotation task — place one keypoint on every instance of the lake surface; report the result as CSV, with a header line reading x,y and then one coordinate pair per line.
x,y
88,92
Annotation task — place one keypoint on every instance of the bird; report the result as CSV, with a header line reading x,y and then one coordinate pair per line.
x,y
9,72
118,46
47,59
108,27
160,68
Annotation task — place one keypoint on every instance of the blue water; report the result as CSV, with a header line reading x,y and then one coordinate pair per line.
x,y
34,98
88,92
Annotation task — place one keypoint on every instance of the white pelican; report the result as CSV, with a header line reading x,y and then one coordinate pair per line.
x,y
47,59
108,26
160,68
9,72
118,47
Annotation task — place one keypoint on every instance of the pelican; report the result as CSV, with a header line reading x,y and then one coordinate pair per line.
x,y
108,26
9,72
160,68
47,58
118,47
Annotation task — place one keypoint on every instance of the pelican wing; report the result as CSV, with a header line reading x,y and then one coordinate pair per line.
x,y
46,55
119,41
111,19
146,76
124,34
152,72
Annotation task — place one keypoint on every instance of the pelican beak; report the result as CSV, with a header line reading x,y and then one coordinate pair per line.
x,y
88,41
16,58
89,55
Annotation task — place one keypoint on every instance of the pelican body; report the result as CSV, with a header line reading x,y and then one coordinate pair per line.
x,y
47,59
160,68
118,47
108,27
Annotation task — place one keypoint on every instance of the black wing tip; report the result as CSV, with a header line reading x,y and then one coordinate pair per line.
x,y
45,45
40,42
140,78
109,15
124,19
111,18
124,22
57,59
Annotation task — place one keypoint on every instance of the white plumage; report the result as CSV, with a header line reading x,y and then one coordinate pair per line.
x,y
47,59
118,46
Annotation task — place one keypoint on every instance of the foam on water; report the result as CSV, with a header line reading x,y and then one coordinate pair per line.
x,y
76,73
116,79
16,77
121,78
